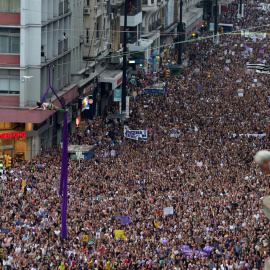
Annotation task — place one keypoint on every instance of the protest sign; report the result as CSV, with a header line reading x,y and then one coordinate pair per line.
x,y
139,135
124,220
23,183
119,233
85,238
101,251
168,211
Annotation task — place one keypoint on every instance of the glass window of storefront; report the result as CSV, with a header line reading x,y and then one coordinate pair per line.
x,y
12,140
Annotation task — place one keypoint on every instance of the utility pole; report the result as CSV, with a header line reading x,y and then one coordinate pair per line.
x,y
124,83
216,20
240,9
153,64
180,29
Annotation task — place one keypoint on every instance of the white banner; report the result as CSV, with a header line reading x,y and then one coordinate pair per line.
x,y
138,135
168,211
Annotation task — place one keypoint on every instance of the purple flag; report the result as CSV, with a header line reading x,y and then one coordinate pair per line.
x,y
125,220
261,51
65,176
64,166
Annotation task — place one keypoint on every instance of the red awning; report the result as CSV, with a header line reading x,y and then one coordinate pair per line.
x,y
224,9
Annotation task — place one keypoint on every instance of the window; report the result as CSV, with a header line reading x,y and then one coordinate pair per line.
x,y
88,2
10,86
10,6
10,40
87,36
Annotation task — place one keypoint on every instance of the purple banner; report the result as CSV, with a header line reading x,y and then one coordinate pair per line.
x,y
189,252
124,220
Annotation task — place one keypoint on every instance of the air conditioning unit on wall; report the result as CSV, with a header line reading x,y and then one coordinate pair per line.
x,y
86,11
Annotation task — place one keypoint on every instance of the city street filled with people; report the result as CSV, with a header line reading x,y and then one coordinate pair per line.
x,y
190,197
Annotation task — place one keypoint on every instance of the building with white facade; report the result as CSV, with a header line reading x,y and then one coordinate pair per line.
x,y
36,34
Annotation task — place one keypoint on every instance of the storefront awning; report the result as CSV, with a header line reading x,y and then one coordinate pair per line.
x,y
192,16
141,45
115,77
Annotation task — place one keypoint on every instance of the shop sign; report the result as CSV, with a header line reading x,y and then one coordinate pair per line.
x,y
84,103
117,94
12,135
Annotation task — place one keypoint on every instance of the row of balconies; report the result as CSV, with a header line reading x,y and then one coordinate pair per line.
x,y
153,26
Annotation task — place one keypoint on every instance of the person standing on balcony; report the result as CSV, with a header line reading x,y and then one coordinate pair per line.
x,y
130,9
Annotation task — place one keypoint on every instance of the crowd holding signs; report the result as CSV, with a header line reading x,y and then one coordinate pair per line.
x,y
176,188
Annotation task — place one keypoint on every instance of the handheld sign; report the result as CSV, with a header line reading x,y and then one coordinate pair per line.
x,y
85,238
131,184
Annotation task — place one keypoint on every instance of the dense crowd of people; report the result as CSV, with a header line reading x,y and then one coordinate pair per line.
x,y
188,198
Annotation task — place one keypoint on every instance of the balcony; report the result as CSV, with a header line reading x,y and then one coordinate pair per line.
x,y
132,39
134,8
148,2
116,3
159,24
150,28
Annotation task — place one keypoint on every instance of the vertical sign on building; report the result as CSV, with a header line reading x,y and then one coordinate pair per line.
x,y
127,107
117,94
211,27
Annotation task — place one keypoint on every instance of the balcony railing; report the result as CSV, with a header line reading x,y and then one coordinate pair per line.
x,y
132,39
148,2
150,28
158,22
61,8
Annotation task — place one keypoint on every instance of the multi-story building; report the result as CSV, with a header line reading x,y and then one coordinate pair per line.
x,y
152,23
36,35
102,52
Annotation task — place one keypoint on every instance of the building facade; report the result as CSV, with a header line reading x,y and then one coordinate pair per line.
x,y
102,54
36,35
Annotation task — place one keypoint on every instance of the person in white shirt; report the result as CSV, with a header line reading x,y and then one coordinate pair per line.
x,y
48,106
